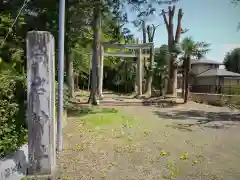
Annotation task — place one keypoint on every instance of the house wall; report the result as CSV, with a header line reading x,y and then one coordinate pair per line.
x,y
231,81
200,68
206,80
205,84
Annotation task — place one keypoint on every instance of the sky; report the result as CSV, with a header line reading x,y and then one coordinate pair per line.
x,y
212,21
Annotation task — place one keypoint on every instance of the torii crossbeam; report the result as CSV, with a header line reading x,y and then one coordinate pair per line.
x,y
136,51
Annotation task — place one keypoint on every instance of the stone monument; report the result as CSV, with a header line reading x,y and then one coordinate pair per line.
x,y
41,103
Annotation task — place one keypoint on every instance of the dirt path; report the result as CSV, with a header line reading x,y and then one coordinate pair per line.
x,y
193,141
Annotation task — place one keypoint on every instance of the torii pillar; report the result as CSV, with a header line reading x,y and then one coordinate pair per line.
x,y
100,75
139,72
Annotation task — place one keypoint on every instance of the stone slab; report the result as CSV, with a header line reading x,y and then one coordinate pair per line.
x,y
14,166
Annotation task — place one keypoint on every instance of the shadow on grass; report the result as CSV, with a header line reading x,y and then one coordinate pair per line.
x,y
214,120
83,111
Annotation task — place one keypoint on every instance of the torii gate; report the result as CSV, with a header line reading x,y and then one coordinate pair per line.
x,y
136,52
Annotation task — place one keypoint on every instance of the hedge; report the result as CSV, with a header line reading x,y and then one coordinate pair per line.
x,y
13,127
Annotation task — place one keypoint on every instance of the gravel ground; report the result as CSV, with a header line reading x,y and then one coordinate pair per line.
x,y
185,142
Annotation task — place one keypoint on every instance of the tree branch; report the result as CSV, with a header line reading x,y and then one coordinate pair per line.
x,y
170,26
179,26
165,19
153,31
149,33
173,11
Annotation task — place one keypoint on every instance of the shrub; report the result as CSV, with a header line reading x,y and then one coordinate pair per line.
x,y
13,129
13,126
66,96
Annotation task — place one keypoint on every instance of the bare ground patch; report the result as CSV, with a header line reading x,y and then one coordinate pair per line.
x,y
137,142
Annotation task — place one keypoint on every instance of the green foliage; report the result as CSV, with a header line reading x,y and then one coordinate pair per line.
x,y
13,129
42,15
232,61
66,96
81,60
160,67
193,48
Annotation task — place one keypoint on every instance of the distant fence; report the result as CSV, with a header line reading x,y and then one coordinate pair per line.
x,y
229,90
216,99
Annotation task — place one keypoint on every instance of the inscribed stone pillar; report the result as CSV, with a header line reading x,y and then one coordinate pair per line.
x,y
101,65
139,72
41,102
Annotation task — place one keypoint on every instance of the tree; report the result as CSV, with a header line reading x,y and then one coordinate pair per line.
x,y
172,46
191,49
232,60
236,2
11,41
115,7
161,58
96,28
150,32
145,13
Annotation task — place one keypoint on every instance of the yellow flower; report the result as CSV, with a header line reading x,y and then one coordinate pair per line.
x,y
79,148
163,153
184,156
195,162
130,139
105,174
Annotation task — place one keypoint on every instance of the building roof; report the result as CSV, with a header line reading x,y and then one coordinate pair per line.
x,y
218,72
204,61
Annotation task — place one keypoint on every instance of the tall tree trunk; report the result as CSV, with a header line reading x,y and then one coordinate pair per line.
x,y
183,83
172,81
145,68
150,74
70,75
187,70
95,50
77,81
151,32
169,26
161,85
183,77
172,69
144,36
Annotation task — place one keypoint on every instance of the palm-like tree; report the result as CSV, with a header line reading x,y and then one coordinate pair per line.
x,y
194,49
191,49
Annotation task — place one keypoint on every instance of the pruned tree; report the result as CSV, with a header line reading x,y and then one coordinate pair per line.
x,y
149,69
173,47
145,14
